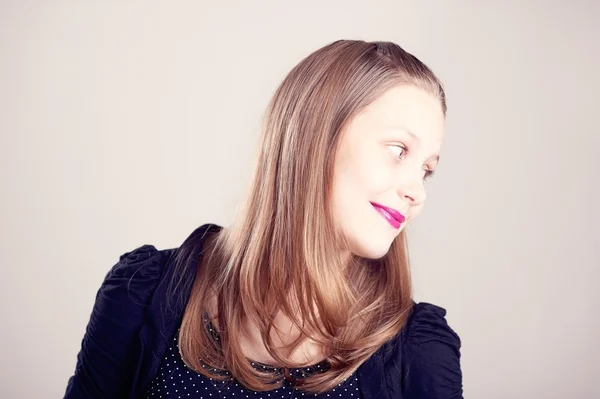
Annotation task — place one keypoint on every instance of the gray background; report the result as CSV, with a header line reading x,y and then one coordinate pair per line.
x,y
124,123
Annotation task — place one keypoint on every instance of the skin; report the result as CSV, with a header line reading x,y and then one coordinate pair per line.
x,y
371,165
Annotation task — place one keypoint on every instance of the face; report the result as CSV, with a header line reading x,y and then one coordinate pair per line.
x,y
385,155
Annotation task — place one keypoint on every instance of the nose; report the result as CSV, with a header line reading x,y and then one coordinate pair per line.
x,y
412,190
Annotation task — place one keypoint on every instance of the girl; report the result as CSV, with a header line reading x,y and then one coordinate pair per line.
x,y
308,292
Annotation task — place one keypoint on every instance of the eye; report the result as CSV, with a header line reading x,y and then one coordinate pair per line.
x,y
428,174
401,151
398,150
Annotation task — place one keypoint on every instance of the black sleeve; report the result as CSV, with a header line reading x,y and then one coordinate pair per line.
x,y
431,356
110,347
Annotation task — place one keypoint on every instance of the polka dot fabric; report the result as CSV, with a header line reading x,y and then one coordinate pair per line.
x,y
175,380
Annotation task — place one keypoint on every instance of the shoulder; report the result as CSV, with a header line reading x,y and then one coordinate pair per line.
x,y
428,322
136,275
133,280
109,347
426,355
125,302
128,288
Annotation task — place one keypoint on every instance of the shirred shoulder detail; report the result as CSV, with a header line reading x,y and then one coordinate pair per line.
x,y
137,274
109,350
431,355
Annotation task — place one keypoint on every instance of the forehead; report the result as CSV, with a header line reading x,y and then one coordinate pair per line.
x,y
405,107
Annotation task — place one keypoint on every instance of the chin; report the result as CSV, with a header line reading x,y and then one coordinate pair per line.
x,y
370,250
372,246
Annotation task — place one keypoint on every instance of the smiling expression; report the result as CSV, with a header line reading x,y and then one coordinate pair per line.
x,y
385,155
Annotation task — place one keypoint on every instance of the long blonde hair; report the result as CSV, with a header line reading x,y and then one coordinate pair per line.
x,y
282,253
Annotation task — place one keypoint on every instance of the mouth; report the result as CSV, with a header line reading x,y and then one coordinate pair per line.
x,y
393,217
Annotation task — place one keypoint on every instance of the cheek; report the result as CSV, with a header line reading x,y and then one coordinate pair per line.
x,y
354,186
380,178
368,235
369,176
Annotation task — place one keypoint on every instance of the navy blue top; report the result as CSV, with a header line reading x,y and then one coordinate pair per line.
x,y
135,319
175,380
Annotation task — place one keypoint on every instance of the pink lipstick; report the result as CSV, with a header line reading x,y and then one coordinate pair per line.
x,y
393,217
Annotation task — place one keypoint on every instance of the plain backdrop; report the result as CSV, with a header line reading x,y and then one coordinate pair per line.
x,y
133,122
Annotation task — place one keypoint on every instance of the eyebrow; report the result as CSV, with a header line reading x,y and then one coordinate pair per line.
x,y
414,136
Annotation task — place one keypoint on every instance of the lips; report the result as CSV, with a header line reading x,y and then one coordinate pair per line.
x,y
394,217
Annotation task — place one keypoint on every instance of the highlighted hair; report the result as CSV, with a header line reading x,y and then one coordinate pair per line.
x,y
282,253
